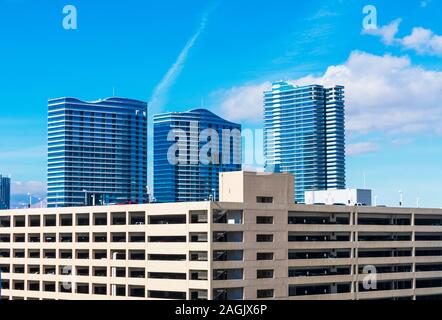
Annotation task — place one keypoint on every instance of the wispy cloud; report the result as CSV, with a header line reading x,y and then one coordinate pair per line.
x,y
402,142
361,148
37,151
160,93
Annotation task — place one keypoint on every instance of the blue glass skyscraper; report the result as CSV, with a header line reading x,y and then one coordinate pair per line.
x,y
97,152
182,170
304,128
5,193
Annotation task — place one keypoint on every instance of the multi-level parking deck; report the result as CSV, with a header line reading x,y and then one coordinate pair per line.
x,y
253,244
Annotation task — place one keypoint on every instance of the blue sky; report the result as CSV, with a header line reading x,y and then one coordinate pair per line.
x,y
230,52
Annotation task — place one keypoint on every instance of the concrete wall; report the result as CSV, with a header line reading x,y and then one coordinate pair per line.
x,y
246,186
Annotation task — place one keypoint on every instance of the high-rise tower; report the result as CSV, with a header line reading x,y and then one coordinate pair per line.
x,y
305,135
5,193
97,152
190,150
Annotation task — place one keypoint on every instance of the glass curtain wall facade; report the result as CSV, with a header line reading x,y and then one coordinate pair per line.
x,y
190,178
304,134
97,152
5,193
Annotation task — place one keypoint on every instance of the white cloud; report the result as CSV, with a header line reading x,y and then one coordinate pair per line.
x,y
386,93
383,94
387,32
361,148
402,141
243,103
422,41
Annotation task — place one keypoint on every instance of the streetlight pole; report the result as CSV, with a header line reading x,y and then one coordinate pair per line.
x,y
85,197
401,201
30,200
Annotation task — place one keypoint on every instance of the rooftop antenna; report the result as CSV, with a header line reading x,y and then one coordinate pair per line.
x,y
113,91
365,181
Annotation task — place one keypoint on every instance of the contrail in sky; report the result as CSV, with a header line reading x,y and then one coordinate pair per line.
x,y
160,93
159,96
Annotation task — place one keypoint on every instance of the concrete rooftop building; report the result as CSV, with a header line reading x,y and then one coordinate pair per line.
x,y
348,197
255,243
